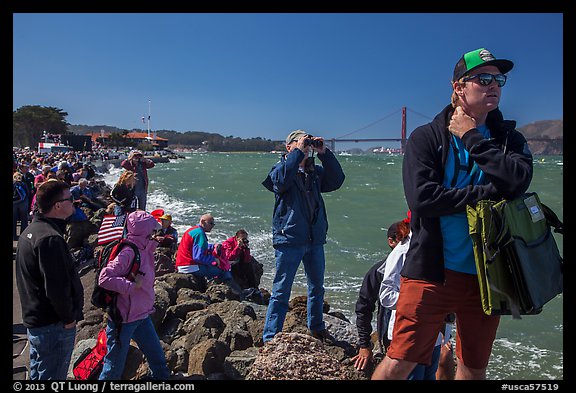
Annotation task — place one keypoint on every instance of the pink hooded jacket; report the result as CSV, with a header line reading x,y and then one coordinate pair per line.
x,y
134,303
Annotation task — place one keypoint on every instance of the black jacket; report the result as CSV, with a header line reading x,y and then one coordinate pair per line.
x,y
124,196
504,158
48,283
368,298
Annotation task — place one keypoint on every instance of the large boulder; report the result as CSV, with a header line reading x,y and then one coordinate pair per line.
x,y
296,356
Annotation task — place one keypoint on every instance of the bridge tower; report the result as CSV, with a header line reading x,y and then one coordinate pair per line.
x,y
403,137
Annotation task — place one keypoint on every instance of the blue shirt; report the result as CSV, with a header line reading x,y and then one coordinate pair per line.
x,y
460,172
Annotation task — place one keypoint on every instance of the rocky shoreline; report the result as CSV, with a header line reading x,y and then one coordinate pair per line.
x,y
208,333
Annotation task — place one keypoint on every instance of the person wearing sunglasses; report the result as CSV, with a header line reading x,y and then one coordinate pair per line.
x,y
49,287
469,152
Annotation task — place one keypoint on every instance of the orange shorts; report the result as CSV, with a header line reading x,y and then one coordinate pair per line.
x,y
420,312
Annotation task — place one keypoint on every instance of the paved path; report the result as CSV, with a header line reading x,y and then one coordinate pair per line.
x,y
20,358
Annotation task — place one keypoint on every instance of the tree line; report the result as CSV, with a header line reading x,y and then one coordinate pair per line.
x,y
30,121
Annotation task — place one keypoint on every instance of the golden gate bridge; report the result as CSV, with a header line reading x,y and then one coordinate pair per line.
x,y
403,136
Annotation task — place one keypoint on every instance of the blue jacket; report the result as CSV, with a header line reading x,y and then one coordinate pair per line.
x,y
299,213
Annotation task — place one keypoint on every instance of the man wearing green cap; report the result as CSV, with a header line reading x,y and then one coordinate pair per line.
x,y
299,227
466,154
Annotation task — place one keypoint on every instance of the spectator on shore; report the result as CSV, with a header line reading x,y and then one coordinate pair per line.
x,y
61,175
64,169
83,194
369,300
123,193
20,204
300,226
139,165
388,295
466,154
79,174
34,170
28,178
236,251
167,238
167,235
50,290
135,302
196,256
41,178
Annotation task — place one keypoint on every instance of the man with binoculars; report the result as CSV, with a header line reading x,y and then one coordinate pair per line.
x,y
300,226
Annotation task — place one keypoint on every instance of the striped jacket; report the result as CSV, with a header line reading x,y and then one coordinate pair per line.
x,y
194,248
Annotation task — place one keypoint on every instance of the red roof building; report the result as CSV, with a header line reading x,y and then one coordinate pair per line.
x,y
137,137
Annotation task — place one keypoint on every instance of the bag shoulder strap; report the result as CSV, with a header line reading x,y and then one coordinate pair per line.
x,y
552,219
135,265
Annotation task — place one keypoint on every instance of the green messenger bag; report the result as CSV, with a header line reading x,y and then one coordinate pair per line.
x,y
517,259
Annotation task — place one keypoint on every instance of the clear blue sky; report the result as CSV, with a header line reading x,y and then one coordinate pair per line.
x,y
265,74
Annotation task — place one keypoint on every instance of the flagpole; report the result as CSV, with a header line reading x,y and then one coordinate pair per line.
x,y
149,119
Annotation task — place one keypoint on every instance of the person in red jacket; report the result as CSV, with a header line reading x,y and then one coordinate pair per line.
x,y
237,252
139,165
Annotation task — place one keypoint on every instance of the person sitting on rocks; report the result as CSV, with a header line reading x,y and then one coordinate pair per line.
x,y
167,238
237,251
84,195
196,256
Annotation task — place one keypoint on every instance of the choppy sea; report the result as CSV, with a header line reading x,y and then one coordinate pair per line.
x,y
228,185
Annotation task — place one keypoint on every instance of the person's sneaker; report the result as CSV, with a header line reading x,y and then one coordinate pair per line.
x,y
324,336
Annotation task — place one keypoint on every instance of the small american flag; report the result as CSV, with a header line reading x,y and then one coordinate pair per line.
x,y
111,229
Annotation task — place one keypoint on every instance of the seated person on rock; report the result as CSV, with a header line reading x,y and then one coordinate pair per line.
x,y
83,193
196,256
237,251
167,238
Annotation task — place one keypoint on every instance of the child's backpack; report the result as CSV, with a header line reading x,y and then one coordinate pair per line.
x,y
519,266
90,362
103,298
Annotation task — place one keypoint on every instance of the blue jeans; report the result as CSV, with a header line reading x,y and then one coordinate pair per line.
x,y
287,261
210,271
50,351
19,213
427,373
142,197
143,332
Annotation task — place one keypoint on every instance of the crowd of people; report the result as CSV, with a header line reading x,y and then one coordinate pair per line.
x,y
51,205
427,284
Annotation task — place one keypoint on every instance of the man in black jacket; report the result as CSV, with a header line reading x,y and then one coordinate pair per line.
x,y
466,154
51,293
368,300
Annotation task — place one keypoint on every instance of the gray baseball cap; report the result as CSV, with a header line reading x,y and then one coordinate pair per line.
x,y
295,135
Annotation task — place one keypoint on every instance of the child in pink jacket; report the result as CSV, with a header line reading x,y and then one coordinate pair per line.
x,y
135,302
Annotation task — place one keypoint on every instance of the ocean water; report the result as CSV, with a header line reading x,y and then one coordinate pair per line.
x,y
228,185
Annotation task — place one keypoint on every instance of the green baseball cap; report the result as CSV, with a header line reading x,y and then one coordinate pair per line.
x,y
478,58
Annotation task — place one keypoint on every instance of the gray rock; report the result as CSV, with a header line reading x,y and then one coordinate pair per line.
x,y
238,363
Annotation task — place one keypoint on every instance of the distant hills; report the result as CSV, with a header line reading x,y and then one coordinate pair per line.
x,y
545,129
542,129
